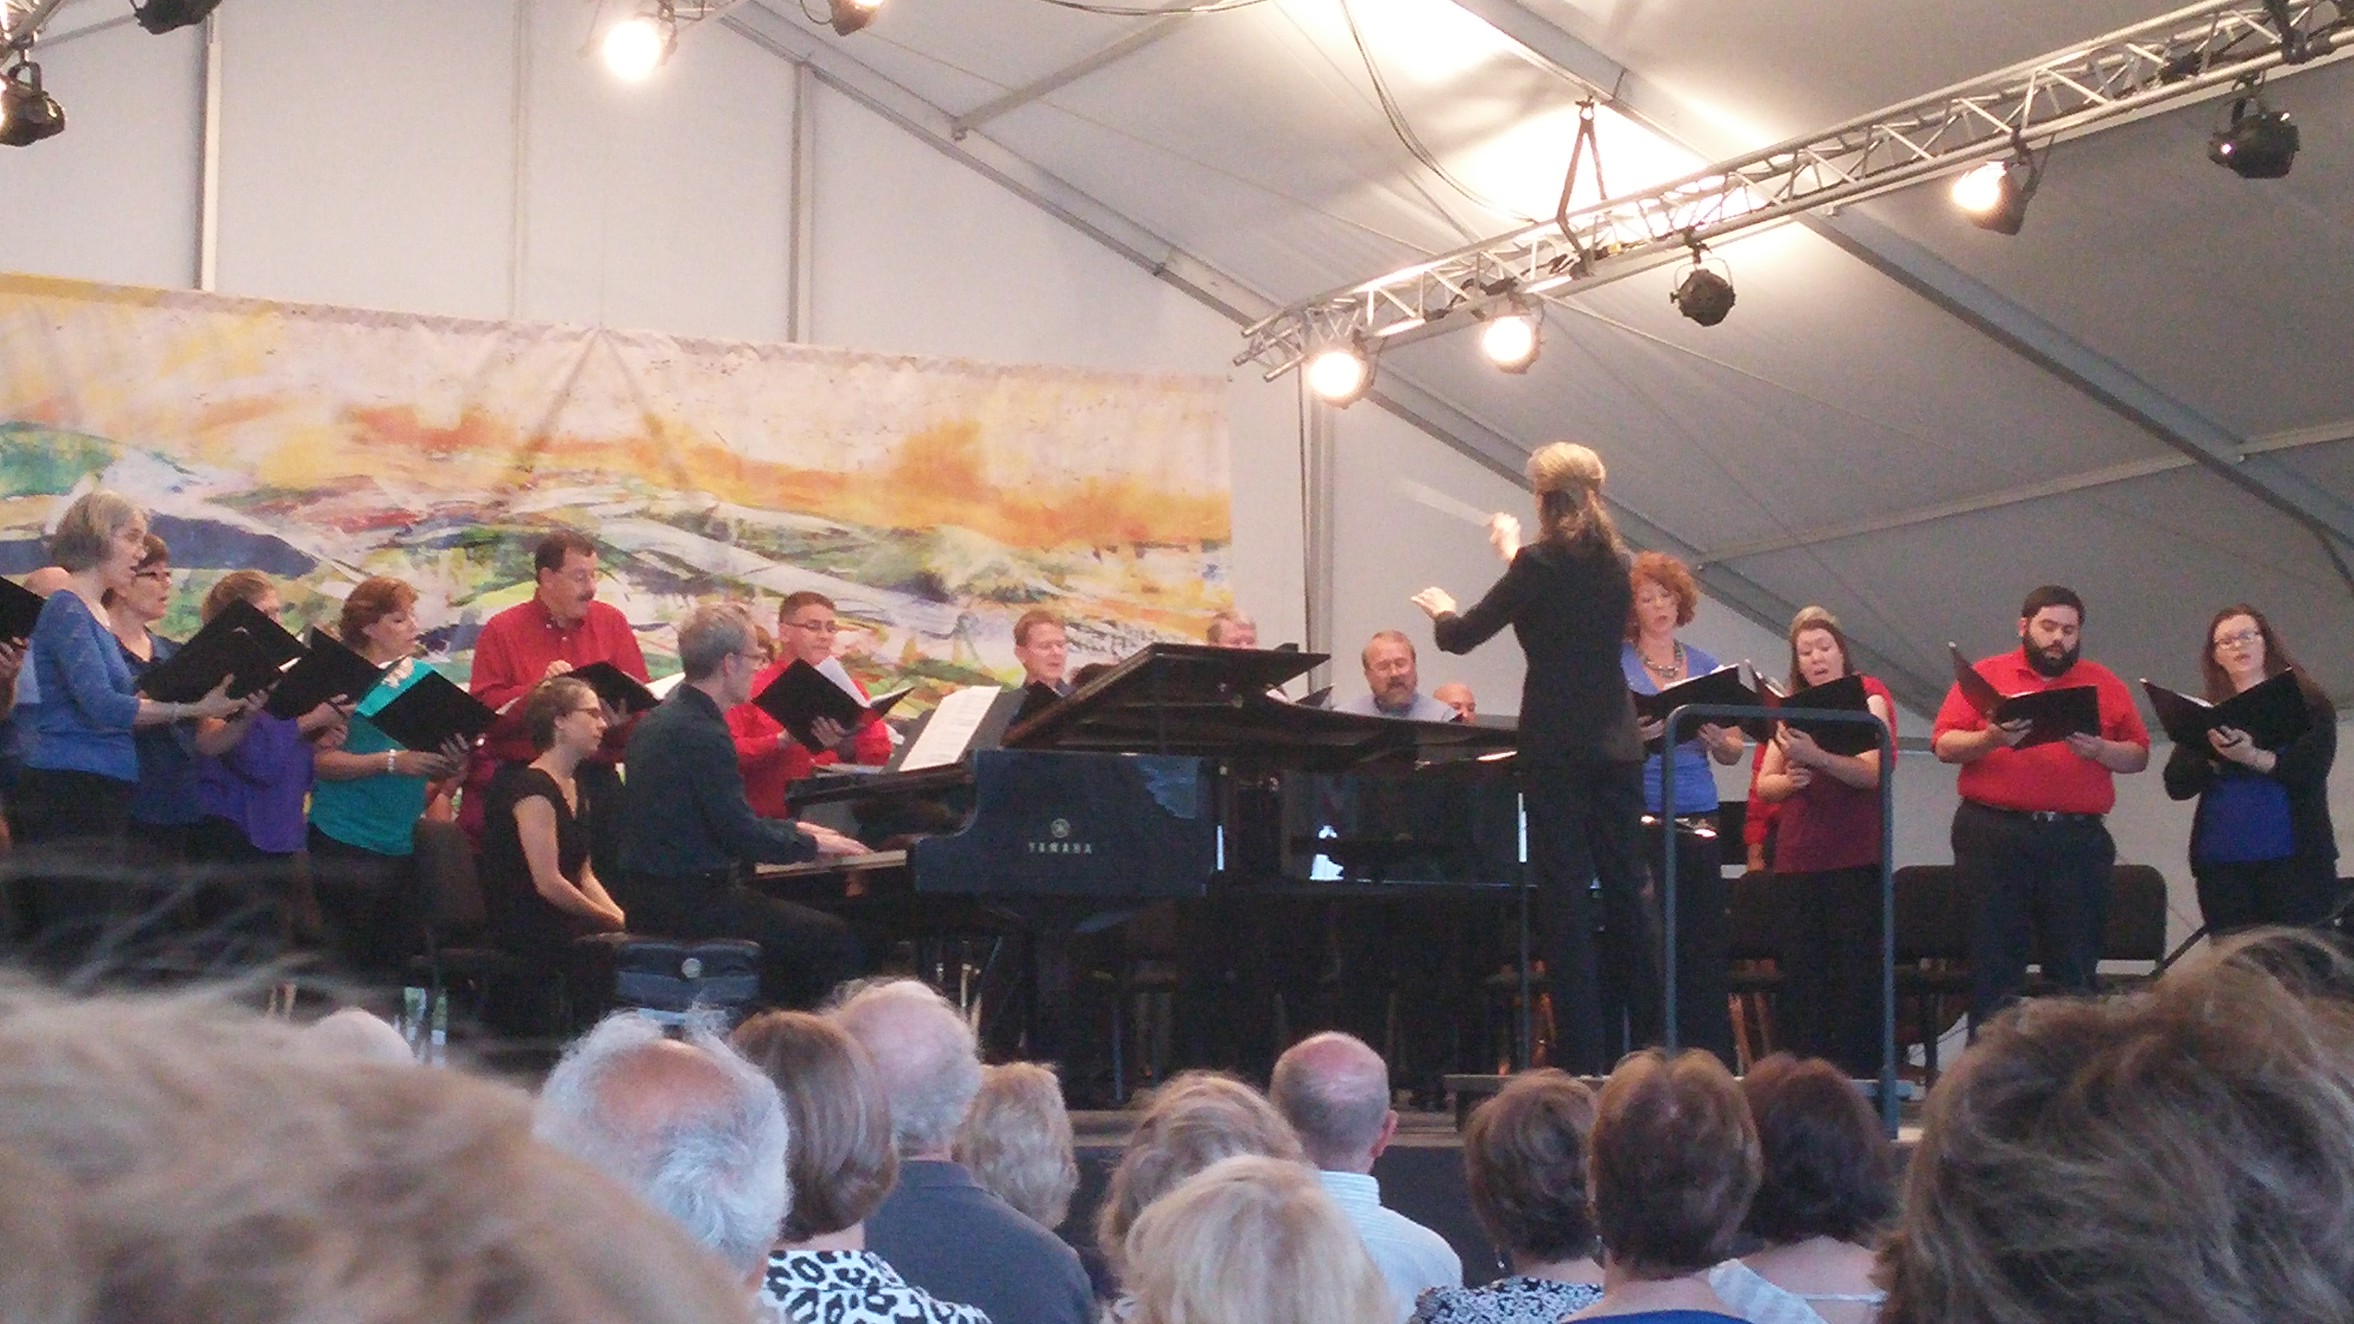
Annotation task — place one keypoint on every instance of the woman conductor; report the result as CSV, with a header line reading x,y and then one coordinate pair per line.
x,y
1566,596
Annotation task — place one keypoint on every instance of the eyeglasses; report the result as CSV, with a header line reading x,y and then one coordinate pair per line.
x,y
757,659
815,627
158,575
592,710
2238,638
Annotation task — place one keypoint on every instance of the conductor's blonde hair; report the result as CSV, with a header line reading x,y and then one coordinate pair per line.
x,y
1252,1238
1567,479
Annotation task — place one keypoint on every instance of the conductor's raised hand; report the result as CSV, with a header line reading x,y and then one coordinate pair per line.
x,y
1504,534
1435,601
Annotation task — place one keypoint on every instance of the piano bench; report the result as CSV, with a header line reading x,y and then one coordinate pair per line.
x,y
671,976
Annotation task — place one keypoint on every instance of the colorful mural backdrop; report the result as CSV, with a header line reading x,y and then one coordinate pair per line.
x,y
935,500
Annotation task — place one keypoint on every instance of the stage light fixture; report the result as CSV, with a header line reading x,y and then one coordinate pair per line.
x,y
635,47
1511,339
166,15
2256,142
849,16
1994,195
1702,295
1339,373
27,114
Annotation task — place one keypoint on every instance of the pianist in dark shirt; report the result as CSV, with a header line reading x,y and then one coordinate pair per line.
x,y
688,827
1566,598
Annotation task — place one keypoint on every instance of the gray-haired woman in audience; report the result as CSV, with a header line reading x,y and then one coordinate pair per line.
x,y
1016,1141
1674,1163
1828,1191
1524,1160
841,1165
1188,1124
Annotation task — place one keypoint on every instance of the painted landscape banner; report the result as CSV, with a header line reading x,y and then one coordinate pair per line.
x,y
935,500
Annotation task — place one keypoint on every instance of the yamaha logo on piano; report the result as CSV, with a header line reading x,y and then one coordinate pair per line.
x,y
1061,844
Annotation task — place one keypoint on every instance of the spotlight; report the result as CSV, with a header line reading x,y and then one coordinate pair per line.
x,y
2256,143
165,15
1340,372
1511,340
27,114
635,47
849,16
1994,196
1702,295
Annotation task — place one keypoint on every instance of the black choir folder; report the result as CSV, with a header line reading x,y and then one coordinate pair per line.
x,y
2273,712
328,671
1721,686
2054,714
620,691
802,693
20,608
432,711
1844,695
238,644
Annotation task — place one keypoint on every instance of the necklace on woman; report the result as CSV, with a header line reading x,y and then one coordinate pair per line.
x,y
1671,670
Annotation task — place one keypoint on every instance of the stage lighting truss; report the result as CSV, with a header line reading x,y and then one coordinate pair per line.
x,y
2130,74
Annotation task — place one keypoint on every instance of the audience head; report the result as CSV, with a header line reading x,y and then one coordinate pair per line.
x,y
1666,595
251,587
354,1033
1567,479
100,528
1829,1170
924,1055
1674,1163
688,1124
182,1160
713,640
2240,639
1390,668
1233,628
379,612
1252,1238
555,699
840,1163
2186,1152
1524,1162
1335,1092
1818,649
1186,1125
1016,1141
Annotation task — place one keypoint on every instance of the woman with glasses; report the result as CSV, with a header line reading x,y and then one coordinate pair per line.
x,y
2262,848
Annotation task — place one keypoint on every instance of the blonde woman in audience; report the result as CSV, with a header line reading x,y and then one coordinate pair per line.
x,y
1674,1162
1252,1240
1016,1141
1524,1162
2185,1153
218,1174
1829,1190
1188,1124
841,1164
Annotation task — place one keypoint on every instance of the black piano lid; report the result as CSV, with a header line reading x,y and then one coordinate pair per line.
x,y
1201,699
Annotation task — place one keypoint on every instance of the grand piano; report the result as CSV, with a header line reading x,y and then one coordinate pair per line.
x,y
1176,774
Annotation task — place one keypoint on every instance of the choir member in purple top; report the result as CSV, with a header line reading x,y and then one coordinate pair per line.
x,y
254,771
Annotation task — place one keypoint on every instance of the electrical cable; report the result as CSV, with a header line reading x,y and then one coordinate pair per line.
x,y
1405,132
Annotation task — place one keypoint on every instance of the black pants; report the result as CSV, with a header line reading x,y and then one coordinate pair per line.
x,y
1703,945
1585,825
76,893
244,893
371,907
804,953
2300,890
2034,882
1830,950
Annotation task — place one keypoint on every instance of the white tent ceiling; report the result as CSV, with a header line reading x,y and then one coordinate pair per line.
x,y
1906,418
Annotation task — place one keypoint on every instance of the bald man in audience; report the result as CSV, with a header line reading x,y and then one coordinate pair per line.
x,y
1335,1092
1394,683
1457,695
938,1227
689,1125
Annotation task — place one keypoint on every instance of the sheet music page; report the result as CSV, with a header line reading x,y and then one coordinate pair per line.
x,y
945,738
833,670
